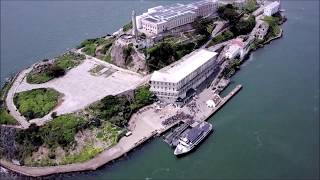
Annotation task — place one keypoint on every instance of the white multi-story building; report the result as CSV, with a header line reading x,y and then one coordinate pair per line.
x,y
271,8
174,84
161,18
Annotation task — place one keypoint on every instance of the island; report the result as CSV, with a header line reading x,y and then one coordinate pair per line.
x,y
98,101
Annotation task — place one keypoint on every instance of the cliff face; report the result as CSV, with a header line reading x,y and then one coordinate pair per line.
x,y
117,54
126,56
8,146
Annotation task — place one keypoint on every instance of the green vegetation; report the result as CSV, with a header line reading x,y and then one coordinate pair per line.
x,y
239,25
109,133
127,51
6,118
164,53
107,58
171,49
229,13
86,153
226,35
38,78
127,27
274,28
36,103
61,130
90,49
202,26
58,68
250,6
118,109
231,68
90,45
244,25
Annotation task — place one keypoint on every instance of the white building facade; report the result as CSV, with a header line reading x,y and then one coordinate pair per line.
x,y
271,8
235,48
161,18
172,85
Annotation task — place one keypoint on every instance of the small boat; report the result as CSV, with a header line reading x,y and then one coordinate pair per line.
x,y
192,138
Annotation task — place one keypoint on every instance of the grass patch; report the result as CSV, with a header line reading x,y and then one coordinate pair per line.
x,y
226,35
46,72
6,118
90,45
90,49
274,27
36,103
107,58
88,152
38,78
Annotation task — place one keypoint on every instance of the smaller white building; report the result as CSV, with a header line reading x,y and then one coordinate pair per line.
x,y
271,9
234,49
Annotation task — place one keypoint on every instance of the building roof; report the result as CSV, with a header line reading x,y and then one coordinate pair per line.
x,y
237,42
160,14
184,67
273,5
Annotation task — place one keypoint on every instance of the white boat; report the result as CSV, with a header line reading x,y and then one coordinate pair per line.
x,y
192,138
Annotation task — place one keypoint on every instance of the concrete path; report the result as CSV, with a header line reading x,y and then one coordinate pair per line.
x,y
9,99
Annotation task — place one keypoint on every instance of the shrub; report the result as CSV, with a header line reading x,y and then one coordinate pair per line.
x,y
36,103
90,49
6,118
86,153
244,26
228,12
127,27
61,130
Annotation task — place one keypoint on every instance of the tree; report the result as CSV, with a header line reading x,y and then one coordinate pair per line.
x,y
200,25
228,12
250,6
244,26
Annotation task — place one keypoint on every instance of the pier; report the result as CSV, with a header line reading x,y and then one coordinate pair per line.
x,y
172,138
225,100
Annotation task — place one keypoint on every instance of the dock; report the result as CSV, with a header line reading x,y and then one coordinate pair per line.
x,y
224,100
172,138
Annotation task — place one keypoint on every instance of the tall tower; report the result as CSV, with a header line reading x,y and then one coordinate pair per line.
x,y
134,26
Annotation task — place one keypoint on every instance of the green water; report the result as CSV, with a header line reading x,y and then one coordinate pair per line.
x,y
269,130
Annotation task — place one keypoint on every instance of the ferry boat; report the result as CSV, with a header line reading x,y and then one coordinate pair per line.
x,y
192,138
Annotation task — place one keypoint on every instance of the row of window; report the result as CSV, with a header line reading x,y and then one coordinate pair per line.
x,y
164,93
164,88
